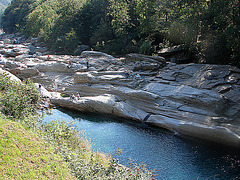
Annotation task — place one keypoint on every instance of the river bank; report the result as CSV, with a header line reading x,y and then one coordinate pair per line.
x,y
33,149
197,100
174,157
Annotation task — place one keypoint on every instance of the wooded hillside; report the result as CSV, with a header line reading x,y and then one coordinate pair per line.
x,y
209,28
3,6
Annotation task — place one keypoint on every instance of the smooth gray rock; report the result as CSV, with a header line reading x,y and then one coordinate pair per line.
x,y
106,104
188,95
208,132
54,67
84,77
198,100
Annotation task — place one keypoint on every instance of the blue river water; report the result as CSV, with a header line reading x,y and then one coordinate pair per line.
x,y
174,157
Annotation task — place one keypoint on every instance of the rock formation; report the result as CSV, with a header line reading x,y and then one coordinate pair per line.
x,y
198,100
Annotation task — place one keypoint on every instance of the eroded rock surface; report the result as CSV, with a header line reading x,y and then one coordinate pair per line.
x,y
198,100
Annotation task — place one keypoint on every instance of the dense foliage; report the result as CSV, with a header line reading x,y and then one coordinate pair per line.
x,y
18,100
209,28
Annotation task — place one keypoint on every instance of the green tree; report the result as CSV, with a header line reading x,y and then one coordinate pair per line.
x,y
42,20
221,26
14,17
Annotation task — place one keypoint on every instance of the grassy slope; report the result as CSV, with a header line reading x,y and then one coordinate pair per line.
x,y
24,156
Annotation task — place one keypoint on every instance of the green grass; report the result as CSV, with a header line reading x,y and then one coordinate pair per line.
x,y
23,155
56,151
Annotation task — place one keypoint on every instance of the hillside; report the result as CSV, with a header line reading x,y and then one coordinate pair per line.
x,y
22,151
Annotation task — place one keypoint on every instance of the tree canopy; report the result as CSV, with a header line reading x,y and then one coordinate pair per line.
x,y
209,28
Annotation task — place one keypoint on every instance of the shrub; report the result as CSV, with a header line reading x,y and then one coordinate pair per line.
x,y
17,99
85,164
146,48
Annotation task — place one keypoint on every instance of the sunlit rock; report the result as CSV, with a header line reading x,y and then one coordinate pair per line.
x,y
213,132
54,67
107,104
188,95
198,100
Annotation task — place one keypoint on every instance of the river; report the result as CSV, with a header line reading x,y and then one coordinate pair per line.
x,y
174,156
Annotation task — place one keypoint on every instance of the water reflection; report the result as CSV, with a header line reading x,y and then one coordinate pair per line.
x,y
175,157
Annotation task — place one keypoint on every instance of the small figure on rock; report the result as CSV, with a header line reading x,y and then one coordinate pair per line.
x,y
69,64
78,96
72,97
137,76
39,87
87,63
127,73
55,86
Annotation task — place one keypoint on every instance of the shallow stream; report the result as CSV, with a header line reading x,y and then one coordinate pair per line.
x,y
174,156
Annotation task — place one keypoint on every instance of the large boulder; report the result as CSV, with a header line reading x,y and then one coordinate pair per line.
x,y
107,104
24,73
223,79
177,54
145,65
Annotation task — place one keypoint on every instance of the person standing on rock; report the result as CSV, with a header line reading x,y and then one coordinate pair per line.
x,y
39,88
127,73
87,63
72,97
54,86
78,96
